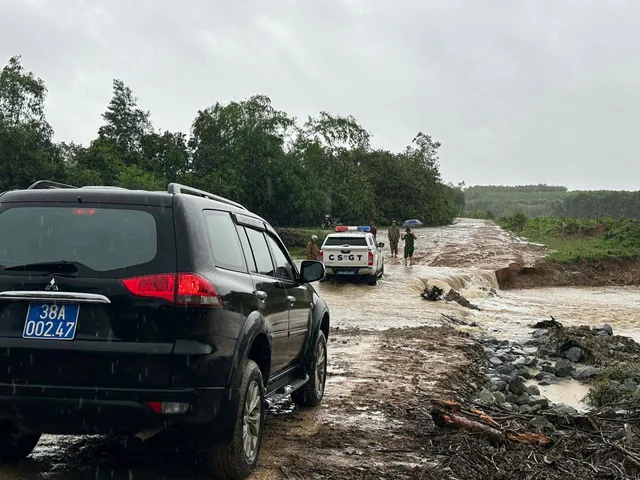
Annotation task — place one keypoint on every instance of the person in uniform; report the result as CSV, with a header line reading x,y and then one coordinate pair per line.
x,y
394,238
313,252
409,244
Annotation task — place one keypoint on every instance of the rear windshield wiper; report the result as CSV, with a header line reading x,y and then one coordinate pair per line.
x,y
62,266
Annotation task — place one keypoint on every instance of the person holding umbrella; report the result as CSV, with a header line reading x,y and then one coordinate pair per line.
x,y
409,243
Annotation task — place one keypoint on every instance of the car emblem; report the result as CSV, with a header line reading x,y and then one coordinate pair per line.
x,y
52,285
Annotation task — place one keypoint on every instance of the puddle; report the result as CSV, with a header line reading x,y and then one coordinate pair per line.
x,y
570,392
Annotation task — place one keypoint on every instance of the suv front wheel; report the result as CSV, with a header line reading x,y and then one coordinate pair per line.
x,y
312,392
238,458
15,444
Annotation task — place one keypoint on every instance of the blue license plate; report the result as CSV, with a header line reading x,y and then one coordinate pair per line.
x,y
53,321
346,272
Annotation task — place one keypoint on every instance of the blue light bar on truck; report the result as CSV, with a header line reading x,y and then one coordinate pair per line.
x,y
344,228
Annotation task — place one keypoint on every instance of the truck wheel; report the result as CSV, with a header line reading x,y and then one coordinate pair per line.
x,y
238,458
372,279
15,444
312,392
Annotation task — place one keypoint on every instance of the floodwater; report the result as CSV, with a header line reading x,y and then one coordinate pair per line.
x,y
358,427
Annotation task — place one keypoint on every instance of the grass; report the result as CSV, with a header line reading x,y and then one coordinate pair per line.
x,y
574,241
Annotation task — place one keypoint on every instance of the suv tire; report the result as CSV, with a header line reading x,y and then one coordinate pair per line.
x,y
15,444
238,458
372,279
312,392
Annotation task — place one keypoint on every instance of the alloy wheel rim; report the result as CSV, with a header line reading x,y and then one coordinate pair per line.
x,y
251,422
321,369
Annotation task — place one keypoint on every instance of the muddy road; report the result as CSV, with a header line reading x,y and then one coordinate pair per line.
x,y
388,354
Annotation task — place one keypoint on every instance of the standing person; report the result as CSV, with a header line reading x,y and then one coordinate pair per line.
x,y
313,252
394,238
409,242
373,228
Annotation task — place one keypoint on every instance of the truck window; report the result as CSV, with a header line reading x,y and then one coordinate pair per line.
x,y
339,240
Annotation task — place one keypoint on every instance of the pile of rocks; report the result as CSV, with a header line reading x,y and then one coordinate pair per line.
x,y
515,371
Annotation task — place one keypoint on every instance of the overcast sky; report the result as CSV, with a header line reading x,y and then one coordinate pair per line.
x,y
517,91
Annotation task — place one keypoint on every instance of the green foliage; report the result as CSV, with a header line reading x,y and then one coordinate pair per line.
x,y
545,200
572,240
245,150
532,200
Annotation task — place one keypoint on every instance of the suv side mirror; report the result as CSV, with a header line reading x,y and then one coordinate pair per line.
x,y
312,271
381,245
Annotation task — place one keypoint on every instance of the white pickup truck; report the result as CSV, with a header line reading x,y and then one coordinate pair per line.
x,y
353,252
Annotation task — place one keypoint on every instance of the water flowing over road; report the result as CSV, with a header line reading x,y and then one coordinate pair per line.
x,y
368,425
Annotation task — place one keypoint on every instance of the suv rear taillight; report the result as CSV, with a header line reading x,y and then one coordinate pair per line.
x,y
321,256
370,258
182,289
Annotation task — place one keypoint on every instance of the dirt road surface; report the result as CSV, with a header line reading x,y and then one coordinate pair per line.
x,y
389,354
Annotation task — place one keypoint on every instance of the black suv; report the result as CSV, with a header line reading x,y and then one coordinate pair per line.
x,y
132,312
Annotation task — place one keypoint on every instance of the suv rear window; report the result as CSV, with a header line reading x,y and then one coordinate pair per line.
x,y
101,238
340,240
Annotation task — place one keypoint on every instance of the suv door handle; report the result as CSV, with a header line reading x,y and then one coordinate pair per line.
x,y
262,296
291,299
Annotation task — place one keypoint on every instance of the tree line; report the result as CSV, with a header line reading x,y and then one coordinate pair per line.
x,y
544,200
292,173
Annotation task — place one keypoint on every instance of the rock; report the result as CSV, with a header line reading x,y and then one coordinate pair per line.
x,y
489,351
523,399
525,374
608,412
565,409
574,354
485,396
540,333
533,390
526,409
516,386
499,398
510,398
510,406
603,328
549,369
506,368
503,343
531,361
538,400
586,373
518,351
541,375
542,424
495,361
499,385
520,362
629,385
531,350
563,368
548,380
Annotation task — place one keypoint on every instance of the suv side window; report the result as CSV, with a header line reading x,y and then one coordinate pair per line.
x,y
248,254
223,237
284,269
264,263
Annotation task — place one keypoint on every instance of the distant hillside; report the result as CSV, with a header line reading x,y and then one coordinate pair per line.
x,y
533,200
539,200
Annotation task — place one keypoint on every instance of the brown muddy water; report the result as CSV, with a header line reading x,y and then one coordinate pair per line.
x,y
370,424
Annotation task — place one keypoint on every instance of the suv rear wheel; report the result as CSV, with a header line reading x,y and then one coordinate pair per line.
x,y
15,444
311,394
238,458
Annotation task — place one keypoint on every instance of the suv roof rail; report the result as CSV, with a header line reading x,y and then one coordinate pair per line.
x,y
41,184
177,188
